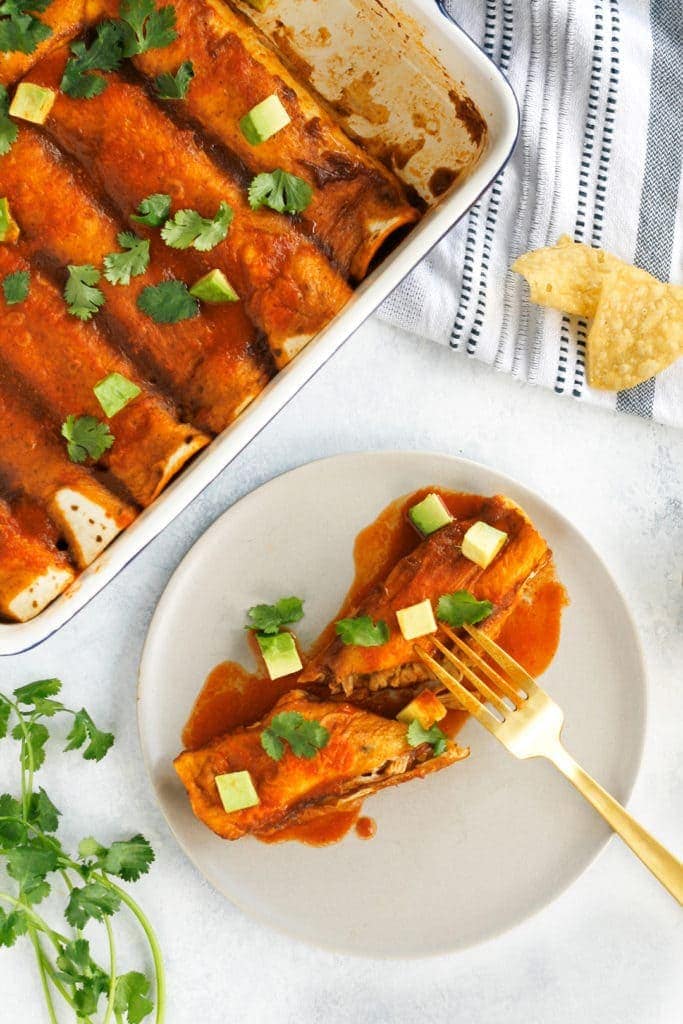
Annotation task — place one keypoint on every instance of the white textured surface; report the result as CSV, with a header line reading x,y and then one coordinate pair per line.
x,y
605,951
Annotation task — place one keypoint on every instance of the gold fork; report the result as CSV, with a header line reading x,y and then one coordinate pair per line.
x,y
528,722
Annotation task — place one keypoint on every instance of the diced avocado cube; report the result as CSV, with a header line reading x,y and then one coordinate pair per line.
x,y
214,287
429,515
237,791
280,654
32,102
259,5
417,620
482,543
264,120
426,708
9,229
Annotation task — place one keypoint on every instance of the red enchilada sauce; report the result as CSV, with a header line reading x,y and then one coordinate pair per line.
x,y
232,696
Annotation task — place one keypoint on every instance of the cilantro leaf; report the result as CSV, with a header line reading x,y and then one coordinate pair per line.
x,y
417,735
130,997
153,210
280,191
119,267
5,711
28,864
174,86
16,286
32,692
89,847
42,812
85,729
86,437
114,392
92,901
460,607
20,31
83,299
128,859
362,632
267,618
35,736
76,967
305,736
8,129
147,27
105,53
12,828
12,925
188,228
168,302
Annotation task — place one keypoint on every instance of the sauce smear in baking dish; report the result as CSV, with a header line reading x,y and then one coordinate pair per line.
x,y
233,697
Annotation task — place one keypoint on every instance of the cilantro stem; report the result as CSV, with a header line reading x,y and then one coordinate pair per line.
x,y
38,922
112,971
143,920
40,957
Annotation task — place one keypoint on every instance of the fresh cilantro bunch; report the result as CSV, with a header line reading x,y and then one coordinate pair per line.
x,y
37,864
20,30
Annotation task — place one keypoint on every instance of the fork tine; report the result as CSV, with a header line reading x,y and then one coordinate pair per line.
x,y
467,700
519,675
503,684
485,690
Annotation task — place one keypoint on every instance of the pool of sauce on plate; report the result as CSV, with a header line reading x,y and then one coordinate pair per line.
x,y
233,696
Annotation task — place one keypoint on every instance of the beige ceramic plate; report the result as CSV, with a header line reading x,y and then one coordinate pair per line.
x,y
457,857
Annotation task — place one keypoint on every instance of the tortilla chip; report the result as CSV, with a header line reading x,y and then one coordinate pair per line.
x,y
637,330
567,276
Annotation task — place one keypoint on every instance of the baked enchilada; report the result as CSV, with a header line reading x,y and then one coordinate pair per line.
x,y
179,216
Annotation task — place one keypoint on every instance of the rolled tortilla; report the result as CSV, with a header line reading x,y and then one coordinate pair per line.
x,y
212,365
62,359
289,289
357,203
33,572
33,462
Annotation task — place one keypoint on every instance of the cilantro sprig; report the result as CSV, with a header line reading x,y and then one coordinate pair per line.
x,y
16,287
460,607
171,86
280,191
168,302
305,736
86,438
417,735
119,267
86,884
146,28
153,210
83,297
20,30
267,618
8,129
362,632
188,228
105,53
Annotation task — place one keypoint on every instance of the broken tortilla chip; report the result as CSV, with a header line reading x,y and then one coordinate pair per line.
x,y
566,276
637,330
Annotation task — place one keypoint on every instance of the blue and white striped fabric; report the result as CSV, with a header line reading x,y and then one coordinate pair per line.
x,y
600,84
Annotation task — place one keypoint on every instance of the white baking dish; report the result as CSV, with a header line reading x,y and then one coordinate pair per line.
x,y
464,62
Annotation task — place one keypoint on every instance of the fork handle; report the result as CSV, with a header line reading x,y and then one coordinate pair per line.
x,y
663,865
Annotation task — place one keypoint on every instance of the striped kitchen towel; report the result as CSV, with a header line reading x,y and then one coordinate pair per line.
x,y
600,85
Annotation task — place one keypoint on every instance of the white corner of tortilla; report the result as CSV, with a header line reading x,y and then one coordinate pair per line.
x,y
39,593
88,526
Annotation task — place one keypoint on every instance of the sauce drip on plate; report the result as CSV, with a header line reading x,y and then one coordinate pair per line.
x,y
232,696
